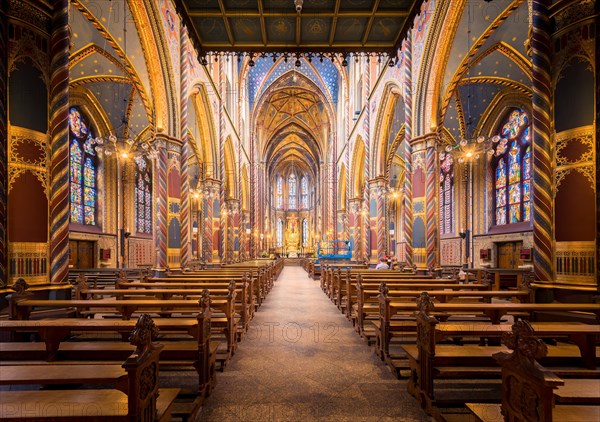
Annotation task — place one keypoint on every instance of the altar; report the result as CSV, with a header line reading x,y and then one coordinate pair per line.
x,y
292,237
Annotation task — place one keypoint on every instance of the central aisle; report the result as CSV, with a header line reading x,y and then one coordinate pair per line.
x,y
302,360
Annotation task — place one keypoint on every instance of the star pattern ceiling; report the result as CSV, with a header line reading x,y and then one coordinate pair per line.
x,y
496,67
324,74
97,66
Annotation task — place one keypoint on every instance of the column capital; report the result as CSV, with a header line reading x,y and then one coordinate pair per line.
x,y
211,183
429,140
233,204
355,204
170,143
378,181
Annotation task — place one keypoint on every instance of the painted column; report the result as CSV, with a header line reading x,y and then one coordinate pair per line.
x,y
253,203
160,210
431,189
244,236
408,182
366,232
173,204
378,211
354,223
419,244
3,146
542,148
210,235
232,232
333,187
186,238
59,135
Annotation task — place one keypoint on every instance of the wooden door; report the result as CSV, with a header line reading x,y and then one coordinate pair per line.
x,y
73,256
508,255
81,254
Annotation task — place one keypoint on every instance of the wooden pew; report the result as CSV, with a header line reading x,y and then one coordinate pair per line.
x,y
202,351
529,389
406,284
428,360
139,404
344,289
105,277
257,282
244,303
64,375
367,302
21,307
494,311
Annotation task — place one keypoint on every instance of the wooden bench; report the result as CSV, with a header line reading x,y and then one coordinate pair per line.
x,y
47,291
334,280
257,284
428,359
494,311
528,389
244,304
367,306
351,298
249,288
64,374
201,352
140,403
21,307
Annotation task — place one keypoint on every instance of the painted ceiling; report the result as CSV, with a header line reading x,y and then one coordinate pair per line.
x,y
274,25
98,45
294,118
498,64
262,75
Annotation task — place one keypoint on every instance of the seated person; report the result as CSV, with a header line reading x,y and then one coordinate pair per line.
x,y
382,265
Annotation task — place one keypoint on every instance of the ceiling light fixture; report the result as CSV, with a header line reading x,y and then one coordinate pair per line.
x,y
298,4
124,142
471,146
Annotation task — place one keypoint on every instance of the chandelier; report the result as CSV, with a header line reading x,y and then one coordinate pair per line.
x,y
471,147
128,144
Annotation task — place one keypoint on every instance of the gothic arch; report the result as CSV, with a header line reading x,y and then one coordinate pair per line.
x,y
391,97
81,97
499,106
154,46
206,136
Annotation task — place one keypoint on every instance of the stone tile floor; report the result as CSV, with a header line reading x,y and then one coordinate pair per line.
x,y
302,361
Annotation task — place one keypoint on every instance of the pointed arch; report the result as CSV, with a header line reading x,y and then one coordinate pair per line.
x,y
358,168
390,109
204,130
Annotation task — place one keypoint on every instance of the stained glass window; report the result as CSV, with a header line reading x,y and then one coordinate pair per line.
x,y
292,191
82,170
304,232
279,233
446,193
512,161
279,192
304,187
143,196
